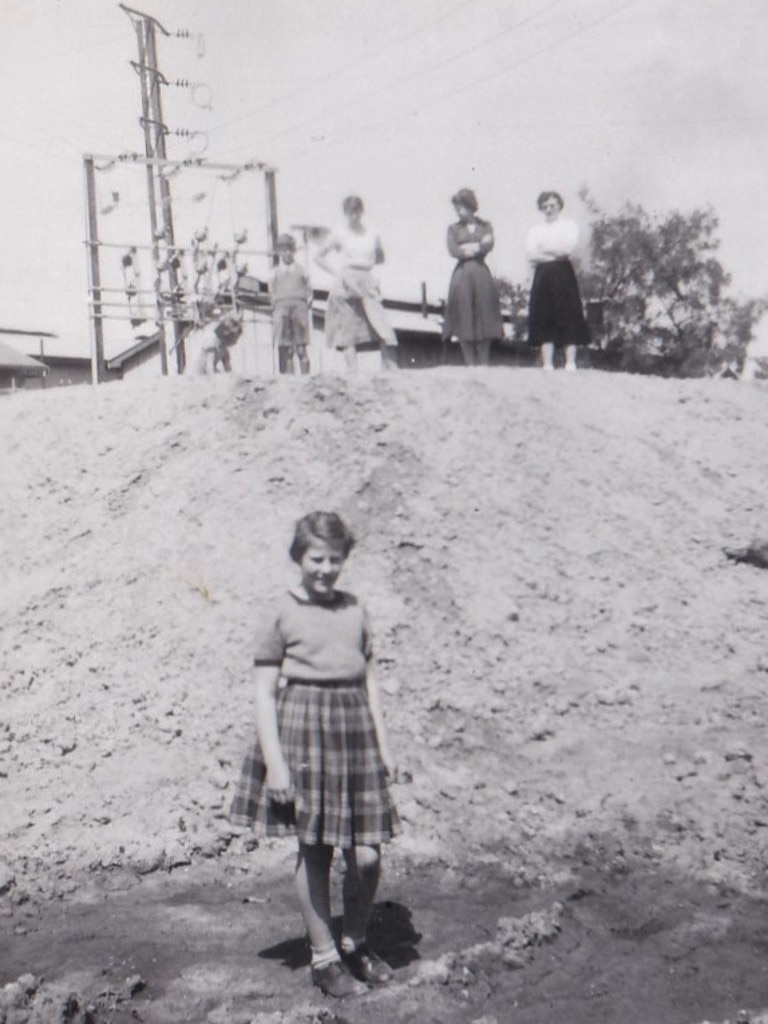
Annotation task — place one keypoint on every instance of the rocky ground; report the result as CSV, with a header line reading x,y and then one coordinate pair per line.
x,y
575,677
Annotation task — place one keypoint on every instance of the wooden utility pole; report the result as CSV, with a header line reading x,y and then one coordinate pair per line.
x,y
94,273
272,228
158,186
166,211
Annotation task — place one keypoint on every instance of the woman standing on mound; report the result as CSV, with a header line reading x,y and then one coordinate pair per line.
x,y
321,767
472,313
555,316
355,315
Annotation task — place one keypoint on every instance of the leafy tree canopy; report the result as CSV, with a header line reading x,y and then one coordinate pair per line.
x,y
665,291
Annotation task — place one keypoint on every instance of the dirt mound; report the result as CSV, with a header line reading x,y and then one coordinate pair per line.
x,y
575,671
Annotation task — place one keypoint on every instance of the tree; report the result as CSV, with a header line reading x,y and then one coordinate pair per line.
x,y
665,292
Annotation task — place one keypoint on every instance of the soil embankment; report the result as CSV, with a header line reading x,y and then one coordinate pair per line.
x,y
575,673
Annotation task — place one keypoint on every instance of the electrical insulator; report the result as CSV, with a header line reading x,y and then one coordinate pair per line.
x,y
204,101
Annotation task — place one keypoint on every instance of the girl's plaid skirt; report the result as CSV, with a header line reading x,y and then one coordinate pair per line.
x,y
329,741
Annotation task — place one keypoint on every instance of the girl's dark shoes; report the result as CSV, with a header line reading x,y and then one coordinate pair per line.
x,y
368,966
336,980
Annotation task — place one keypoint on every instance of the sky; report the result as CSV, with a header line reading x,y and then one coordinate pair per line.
x,y
658,102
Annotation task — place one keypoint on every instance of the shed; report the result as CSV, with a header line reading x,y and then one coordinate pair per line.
x,y
16,367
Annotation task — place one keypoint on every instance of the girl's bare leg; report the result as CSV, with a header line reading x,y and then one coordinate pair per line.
x,y
313,887
570,357
350,357
389,357
361,881
360,884
469,352
548,356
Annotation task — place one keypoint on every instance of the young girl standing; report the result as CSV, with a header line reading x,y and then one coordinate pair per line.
x,y
322,763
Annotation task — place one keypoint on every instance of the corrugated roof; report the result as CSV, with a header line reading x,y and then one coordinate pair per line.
x,y
22,364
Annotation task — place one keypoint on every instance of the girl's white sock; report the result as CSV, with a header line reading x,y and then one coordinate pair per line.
x,y
350,944
325,956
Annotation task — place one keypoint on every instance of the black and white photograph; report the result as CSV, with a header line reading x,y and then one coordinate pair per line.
x,y
383,474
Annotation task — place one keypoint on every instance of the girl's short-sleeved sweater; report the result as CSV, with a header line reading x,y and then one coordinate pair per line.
x,y
315,642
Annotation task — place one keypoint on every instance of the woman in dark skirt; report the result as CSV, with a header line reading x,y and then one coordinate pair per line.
x,y
473,313
555,317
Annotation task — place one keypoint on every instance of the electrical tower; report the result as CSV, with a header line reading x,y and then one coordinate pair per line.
x,y
172,299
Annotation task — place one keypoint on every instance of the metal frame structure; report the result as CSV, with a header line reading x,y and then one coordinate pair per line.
x,y
157,166
162,244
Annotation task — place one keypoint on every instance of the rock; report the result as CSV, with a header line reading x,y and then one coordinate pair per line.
x,y
756,553
15,995
132,986
228,1014
738,752
69,1008
434,972
65,744
390,687
7,879
514,958
531,930
541,729
450,792
176,855
152,859
613,696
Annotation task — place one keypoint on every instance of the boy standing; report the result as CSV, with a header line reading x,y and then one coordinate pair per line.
x,y
290,293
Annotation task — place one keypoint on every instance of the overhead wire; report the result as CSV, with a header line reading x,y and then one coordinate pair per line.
x,y
69,52
421,72
470,86
336,72
10,25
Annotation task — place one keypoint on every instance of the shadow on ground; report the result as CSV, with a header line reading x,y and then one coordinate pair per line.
x,y
215,944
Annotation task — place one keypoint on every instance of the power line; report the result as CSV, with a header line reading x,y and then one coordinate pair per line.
x,y
469,86
421,72
11,25
345,68
69,52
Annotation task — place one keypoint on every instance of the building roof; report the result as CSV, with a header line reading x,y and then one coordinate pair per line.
x,y
19,363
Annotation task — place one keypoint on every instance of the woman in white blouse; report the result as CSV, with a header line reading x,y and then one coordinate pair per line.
x,y
555,314
355,315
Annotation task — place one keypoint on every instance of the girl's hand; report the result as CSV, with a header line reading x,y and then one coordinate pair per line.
x,y
391,769
279,785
